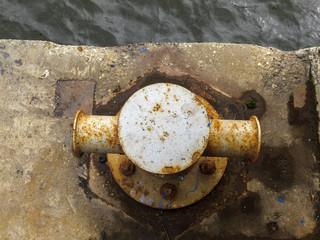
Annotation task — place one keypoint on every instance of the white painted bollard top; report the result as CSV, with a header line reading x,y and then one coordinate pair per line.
x,y
163,128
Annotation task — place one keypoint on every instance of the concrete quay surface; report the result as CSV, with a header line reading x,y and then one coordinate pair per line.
x,y
47,193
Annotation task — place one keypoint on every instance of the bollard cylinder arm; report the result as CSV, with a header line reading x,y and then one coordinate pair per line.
x,y
97,134
228,138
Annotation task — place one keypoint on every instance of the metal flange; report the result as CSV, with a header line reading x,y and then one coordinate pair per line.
x,y
190,186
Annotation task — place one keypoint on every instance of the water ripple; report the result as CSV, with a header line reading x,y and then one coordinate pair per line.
x,y
287,25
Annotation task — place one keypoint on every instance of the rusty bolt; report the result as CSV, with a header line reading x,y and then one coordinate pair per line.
x,y
127,168
207,167
168,191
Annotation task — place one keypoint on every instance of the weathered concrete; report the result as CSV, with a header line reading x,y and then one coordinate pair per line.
x,y
42,196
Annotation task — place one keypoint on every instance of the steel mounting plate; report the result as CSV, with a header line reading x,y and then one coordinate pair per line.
x,y
192,185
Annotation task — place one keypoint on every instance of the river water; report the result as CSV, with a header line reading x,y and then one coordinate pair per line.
x,y
285,24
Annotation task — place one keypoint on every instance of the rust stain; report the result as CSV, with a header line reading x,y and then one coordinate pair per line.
x,y
139,190
216,125
195,156
127,182
156,107
167,97
211,112
112,135
170,169
234,127
166,134
197,100
175,98
219,101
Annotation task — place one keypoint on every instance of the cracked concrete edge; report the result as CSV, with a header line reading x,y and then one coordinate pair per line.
x,y
314,58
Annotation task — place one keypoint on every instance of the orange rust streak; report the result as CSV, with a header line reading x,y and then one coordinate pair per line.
x,y
156,107
233,138
211,112
170,169
216,125
97,134
112,134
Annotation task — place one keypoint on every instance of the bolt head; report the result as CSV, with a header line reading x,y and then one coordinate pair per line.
x,y
168,191
127,168
207,167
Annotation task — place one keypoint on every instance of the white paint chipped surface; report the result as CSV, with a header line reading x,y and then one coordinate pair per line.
x,y
161,126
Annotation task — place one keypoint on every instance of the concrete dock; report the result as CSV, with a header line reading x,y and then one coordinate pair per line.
x,y
47,193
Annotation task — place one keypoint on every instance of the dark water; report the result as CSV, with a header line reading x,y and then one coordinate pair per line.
x,y
284,24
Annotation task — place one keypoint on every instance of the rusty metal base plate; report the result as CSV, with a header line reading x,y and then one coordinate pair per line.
x,y
192,185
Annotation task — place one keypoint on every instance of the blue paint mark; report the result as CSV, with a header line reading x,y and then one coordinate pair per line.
x,y
203,112
318,217
280,199
301,221
210,123
161,199
204,149
217,180
143,49
195,187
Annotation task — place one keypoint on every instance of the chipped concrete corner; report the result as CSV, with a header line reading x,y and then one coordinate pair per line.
x,y
47,193
315,77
